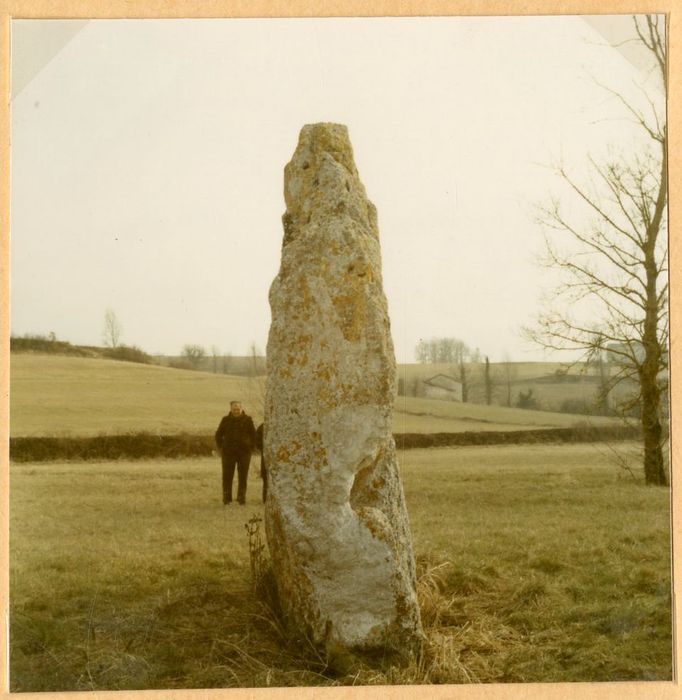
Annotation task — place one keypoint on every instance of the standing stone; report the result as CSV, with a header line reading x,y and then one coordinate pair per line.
x,y
336,522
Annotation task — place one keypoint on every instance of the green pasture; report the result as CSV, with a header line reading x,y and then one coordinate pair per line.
x,y
62,395
535,563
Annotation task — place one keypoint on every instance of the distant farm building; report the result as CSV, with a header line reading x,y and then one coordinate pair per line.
x,y
443,387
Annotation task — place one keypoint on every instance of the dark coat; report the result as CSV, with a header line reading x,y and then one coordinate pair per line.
x,y
259,447
236,434
259,438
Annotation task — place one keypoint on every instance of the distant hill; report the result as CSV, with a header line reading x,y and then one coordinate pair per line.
x,y
241,365
46,345
545,386
59,394
53,394
246,366
553,386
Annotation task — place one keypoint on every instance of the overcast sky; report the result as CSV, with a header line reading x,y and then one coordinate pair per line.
x,y
148,156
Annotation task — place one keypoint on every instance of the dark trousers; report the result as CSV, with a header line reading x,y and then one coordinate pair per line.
x,y
239,459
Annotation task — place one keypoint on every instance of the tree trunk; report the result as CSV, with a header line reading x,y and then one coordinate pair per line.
x,y
654,469
604,387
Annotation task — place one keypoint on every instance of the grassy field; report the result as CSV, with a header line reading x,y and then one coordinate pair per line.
x,y
536,563
57,395
509,380
53,394
416,415
520,371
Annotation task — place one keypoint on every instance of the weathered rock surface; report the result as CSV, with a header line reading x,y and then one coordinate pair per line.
x,y
336,522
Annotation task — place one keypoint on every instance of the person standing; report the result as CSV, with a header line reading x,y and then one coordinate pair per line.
x,y
263,469
235,439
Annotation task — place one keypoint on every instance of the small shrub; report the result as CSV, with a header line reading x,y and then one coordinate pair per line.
x,y
584,407
257,559
128,353
263,581
527,400
575,406
180,364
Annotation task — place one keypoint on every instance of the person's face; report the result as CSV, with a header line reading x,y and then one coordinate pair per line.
x,y
236,409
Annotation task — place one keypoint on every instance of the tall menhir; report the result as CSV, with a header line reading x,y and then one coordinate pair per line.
x,y
336,522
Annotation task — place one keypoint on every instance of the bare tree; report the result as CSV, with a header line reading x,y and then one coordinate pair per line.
x,y
600,367
488,382
618,261
227,363
194,354
461,355
112,329
441,350
215,353
509,374
421,352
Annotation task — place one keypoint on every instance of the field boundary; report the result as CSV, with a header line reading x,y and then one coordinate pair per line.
x,y
518,437
144,445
